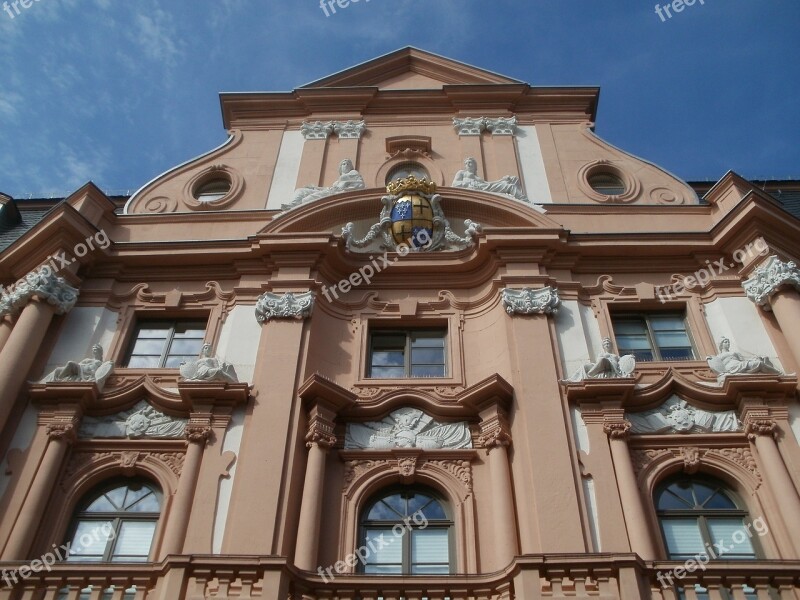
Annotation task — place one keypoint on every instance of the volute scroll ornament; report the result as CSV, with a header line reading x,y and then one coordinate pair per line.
x,y
527,301
767,280
284,306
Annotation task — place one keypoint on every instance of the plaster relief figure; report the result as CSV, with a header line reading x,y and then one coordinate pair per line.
x,y
468,178
733,363
606,366
677,416
208,368
141,421
89,369
408,428
349,179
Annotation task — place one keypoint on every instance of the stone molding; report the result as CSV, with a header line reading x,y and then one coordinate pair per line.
x,y
407,466
769,278
693,457
616,429
321,130
47,287
472,126
284,306
527,301
495,431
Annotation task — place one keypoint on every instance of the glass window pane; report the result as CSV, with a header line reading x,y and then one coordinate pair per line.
x,y
387,372
631,327
189,330
102,504
142,501
152,347
383,511
90,540
427,356
685,491
682,537
431,340
144,362
153,332
430,569
667,323
388,358
673,339
676,353
427,371
190,347
388,341
720,500
117,496
632,342
388,548
430,546
417,501
731,532
134,540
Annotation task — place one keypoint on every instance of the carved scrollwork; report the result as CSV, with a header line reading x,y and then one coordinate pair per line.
x,y
757,427
616,429
284,306
527,301
766,280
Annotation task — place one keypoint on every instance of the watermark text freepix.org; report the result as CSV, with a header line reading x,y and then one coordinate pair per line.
x,y
59,261
103,534
329,6
374,546
713,269
676,6
15,4
716,551
365,274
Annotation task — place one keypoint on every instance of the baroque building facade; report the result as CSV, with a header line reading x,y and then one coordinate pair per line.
x,y
414,331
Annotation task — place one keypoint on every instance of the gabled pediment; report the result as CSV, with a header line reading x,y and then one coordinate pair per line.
x,y
411,68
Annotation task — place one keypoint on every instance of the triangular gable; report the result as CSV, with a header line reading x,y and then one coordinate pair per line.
x,y
410,68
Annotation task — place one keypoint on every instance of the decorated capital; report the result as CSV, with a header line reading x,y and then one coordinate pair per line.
x,y
769,278
527,301
284,306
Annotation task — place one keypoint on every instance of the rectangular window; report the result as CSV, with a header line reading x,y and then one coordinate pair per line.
x,y
165,344
653,336
411,353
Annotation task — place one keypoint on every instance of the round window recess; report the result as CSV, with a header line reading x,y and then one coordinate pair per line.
x,y
213,190
407,169
607,184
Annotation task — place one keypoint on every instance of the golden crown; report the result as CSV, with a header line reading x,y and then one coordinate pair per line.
x,y
411,184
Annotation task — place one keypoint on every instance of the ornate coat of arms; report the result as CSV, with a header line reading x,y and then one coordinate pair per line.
x,y
411,220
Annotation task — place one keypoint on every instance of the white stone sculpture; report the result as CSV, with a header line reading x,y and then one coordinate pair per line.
x,y
728,363
469,125
44,284
607,365
468,178
141,421
284,306
677,416
349,179
408,428
769,278
349,130
502,125
89,369
208,368
317,130
528,301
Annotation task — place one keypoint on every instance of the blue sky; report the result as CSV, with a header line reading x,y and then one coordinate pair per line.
x,y
119,91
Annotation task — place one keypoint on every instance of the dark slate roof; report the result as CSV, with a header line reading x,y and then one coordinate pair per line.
x,y
29,218
789,199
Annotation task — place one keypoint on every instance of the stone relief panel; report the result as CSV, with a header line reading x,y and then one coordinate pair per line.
x,y
407,428
678,416
141,421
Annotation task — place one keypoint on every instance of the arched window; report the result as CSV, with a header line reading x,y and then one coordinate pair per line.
x,y
116,523
406,531
406,169
699,516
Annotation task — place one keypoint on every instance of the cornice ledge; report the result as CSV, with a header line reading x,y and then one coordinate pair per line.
x,y
492,390
319,388
84,394
592,391
196,393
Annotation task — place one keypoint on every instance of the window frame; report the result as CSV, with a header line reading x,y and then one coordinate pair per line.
x,y
702,515
646,316
170,338
117,518
408,364
448,524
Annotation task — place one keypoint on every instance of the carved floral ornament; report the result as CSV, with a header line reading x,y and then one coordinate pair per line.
x,y
42,284
408,428
140,421
321,130
694,457
527,301
469,126
678,416
767,280
407,467
284,306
